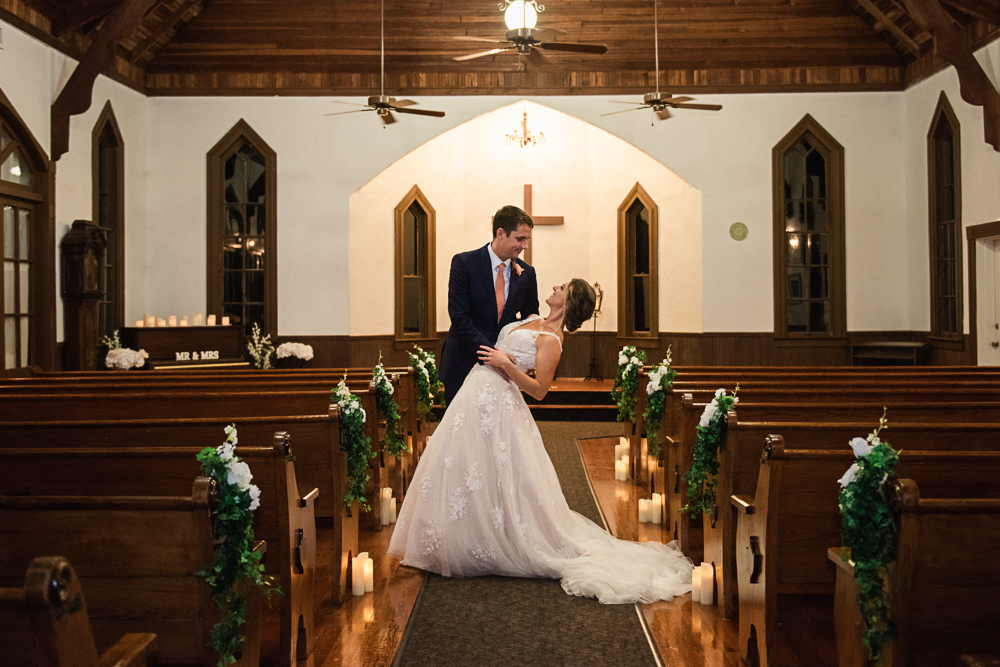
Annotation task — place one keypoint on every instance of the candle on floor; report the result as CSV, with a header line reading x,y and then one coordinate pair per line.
x,y
625,461
392,510
139,323
150,321
656,508
619,450
160,322
198,320
225,320
386,495
211,321
643,510
707,583
357,576
369,575
696,585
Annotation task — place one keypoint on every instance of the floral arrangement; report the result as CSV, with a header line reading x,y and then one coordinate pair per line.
x,y
389,409
122,358
234,564
868,526
705,457
299,350
353,441
661,378
430,389
260,348
626,388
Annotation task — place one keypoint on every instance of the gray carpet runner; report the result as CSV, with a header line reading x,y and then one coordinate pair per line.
x,y
512,621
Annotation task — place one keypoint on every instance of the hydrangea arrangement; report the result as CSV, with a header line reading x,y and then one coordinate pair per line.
x,y
389,410
353,441
234,564
661,378
260,348
626,389
705,457
868,528
429,385
122,358
298,350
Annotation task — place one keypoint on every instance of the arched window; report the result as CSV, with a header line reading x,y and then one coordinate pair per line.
x,y
809,274
242,239
28,241
945,221
416,315
108,176
638,321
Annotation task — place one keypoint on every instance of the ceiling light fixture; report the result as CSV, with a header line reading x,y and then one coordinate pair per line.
x,y
519,14
525,137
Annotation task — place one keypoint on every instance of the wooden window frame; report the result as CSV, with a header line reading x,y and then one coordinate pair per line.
x,y
626,336
217,157
42,294
833,152
944,113
428,327
108,119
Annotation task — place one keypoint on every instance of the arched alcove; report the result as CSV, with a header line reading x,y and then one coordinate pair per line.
x,y
581,173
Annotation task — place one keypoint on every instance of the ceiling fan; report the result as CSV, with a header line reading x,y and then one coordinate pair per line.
x,y
383,105
522,36
662,103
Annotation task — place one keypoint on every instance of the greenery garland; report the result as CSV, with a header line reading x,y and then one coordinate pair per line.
x,y
354,441
626,389
430,389
395,445
868,525
660,379
234,563
705,457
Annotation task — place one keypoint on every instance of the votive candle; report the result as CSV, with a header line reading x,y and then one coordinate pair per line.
x,y
198,320
150,321
369,575
160,322
211,320
183,322
225,320
172,321
139,323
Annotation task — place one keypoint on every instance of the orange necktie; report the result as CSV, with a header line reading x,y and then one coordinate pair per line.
x,y
499,291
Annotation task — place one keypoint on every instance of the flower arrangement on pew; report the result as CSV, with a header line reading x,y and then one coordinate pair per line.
x,y
293,352
661,378
430,389
868,531
395,445
235,565
626,389
122,358
353,441
260,348
705,457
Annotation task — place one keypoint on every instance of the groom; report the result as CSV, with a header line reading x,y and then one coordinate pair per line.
x,y
488,289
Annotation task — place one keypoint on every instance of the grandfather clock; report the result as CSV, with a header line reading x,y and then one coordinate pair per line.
x,y
82,257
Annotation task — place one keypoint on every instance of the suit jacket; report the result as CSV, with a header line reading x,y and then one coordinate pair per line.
x,y
472,307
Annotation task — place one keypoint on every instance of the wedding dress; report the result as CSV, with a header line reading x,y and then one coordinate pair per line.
x,y
485,499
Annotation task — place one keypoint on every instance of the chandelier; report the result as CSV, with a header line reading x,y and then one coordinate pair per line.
x,y
525,136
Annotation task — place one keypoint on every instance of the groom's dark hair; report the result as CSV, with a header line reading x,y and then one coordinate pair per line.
x,y
509,218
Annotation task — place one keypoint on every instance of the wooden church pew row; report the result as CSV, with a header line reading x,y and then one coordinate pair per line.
x,y
285,519
739,468
781,530
943,591
832,370
137,557
44,622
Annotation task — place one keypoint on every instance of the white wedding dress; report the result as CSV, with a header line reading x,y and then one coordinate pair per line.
x,y
485,499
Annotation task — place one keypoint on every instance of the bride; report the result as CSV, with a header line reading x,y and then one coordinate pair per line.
x,y
485,498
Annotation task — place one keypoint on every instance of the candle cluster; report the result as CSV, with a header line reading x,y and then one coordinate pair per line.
x,y
388,506
173,321
703,584
362,574
651,509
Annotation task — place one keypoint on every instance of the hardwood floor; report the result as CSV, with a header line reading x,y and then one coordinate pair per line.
x,y
366,631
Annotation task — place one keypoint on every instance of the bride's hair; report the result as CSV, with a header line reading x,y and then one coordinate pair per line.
x,y
580,301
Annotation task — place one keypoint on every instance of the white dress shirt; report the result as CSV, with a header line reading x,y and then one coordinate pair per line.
x,y
494,263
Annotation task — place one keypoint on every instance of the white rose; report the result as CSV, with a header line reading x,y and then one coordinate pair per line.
x,y
622,359
239,475
364,417
849,476
708,414
225,452
254,497
860,447
652,388
635,360
720,392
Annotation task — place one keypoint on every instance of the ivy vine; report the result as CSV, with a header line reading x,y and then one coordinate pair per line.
x,y
660,379
430,389
626,388
354,441
388,409
705,457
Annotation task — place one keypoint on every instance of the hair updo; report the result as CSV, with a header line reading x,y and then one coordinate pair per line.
x,y
580,302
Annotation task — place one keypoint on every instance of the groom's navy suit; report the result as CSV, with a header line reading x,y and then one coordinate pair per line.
x,y
472,307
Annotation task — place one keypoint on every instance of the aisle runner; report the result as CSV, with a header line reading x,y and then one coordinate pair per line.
x,y
510,621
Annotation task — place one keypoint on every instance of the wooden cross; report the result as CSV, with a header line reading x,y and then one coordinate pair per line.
x,y
537,219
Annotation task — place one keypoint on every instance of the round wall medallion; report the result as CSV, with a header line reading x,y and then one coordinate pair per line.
x,y
738,231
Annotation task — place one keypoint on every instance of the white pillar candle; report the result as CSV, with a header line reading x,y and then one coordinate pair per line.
x,y
198,320
620,471
225,320
160,322
139,323
172,321
150,321
696,585
656,508
392,510
625,460
369,575
707,583
211,320
643,510
183,322
358,576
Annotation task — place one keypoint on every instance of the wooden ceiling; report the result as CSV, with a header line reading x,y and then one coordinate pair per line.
x,y
325,47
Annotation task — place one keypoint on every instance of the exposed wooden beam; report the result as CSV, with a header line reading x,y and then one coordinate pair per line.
x,y
161,30
81,15
889,25
76,95
950,43
984,9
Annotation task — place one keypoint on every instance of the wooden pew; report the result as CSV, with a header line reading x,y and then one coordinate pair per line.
x,y
782,530
944,591
285,519
45,623
137,557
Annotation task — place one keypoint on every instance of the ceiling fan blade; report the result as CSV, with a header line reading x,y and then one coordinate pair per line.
x,y
353,104
420,112
620,102
341,113
703,107
622,111
545,34
403,103
468,38
663,115
482,53
679,100
387,119
536,58
575,48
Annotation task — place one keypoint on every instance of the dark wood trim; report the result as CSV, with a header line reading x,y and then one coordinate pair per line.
x,y
108,119
625,313
43,291
833,152
160,30
216,159
973,234
944,113
428,324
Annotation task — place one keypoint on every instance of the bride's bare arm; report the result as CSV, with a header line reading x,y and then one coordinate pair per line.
x,y
546,360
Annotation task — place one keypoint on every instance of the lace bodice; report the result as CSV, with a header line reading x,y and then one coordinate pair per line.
x,y
520,343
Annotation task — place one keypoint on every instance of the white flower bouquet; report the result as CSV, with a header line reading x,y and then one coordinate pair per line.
x,y
122,358
298,350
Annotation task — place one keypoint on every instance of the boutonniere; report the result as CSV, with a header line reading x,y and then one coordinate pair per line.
x,y
517,267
